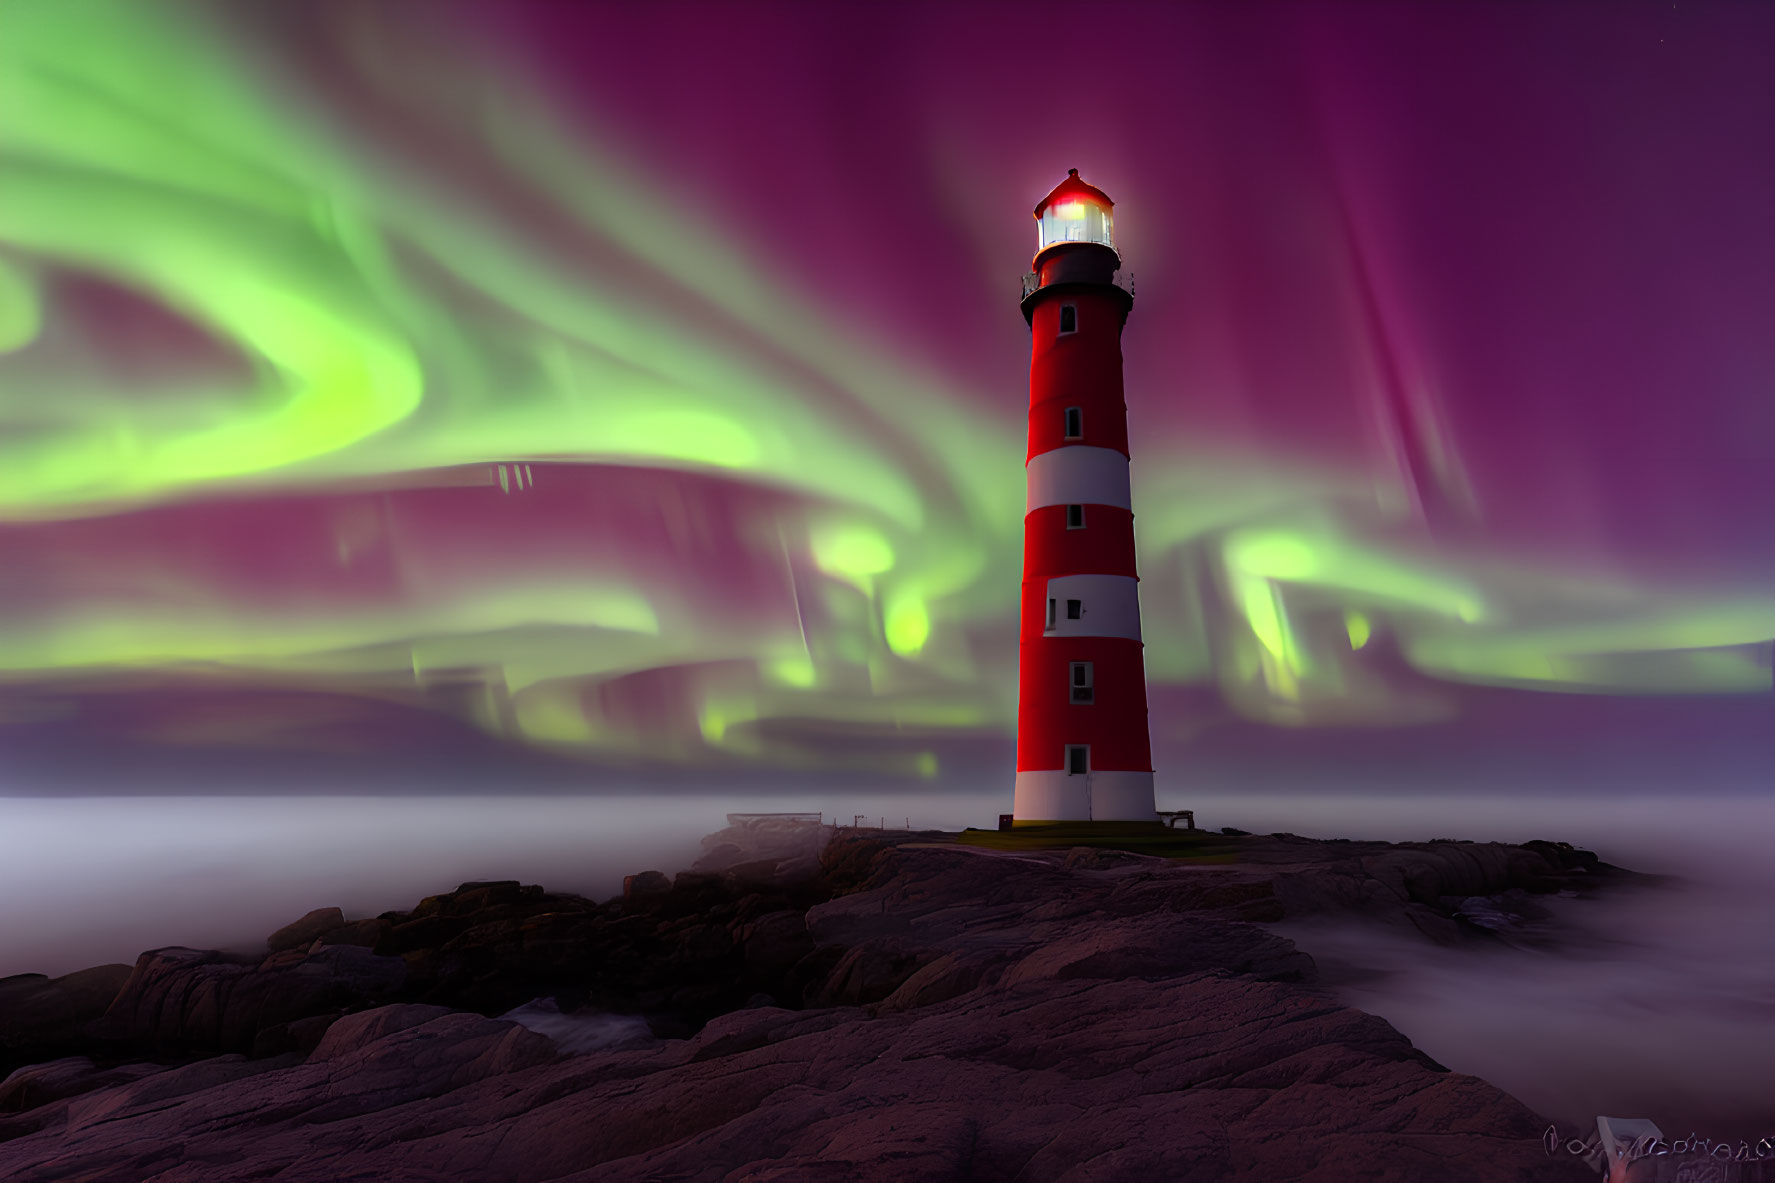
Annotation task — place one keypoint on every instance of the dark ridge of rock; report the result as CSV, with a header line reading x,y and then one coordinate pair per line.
x,y
306,930
637,889
700,947
359,1030
293,1035
369,932
44,1018
181,1001
958,1014
1161,946
39,1084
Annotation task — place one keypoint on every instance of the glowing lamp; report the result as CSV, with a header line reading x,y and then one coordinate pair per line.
x,y
1074,212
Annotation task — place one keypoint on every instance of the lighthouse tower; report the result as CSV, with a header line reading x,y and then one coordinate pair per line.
x,y
1082,748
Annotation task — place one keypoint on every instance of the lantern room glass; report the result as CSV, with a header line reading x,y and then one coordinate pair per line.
x,y
1075,221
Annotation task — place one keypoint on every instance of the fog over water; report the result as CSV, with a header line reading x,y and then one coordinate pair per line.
x,y
1661,1003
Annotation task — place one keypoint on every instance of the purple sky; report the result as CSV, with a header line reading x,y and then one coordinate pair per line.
x,y
1479,294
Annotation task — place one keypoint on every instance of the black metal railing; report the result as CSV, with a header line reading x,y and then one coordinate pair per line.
x,y
1032,282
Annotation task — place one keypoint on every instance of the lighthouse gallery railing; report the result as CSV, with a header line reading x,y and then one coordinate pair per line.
x,y
1032,281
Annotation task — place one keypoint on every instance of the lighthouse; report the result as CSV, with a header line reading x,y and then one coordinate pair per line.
x,y
1083,752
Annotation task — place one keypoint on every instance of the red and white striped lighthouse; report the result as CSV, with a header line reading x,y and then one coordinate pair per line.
x,y
1082,746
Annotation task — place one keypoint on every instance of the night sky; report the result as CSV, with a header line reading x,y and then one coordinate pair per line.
x,y
468,389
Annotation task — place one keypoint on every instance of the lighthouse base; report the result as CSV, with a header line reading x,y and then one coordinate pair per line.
x,y
1057,796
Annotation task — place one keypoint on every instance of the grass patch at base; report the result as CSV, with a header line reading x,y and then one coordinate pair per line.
x,y
1134,837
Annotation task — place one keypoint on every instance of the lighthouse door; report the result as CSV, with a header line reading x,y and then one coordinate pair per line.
x,y
1078,764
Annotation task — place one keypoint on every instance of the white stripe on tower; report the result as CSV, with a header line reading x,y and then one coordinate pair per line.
x,y
1108,605
1078,475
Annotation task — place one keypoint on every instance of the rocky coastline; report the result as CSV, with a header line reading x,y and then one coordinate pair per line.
x,y
805,1004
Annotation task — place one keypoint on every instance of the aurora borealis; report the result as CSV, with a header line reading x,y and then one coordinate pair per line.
x,y
645,383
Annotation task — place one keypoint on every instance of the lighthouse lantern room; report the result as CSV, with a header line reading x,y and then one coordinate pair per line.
x,y
1082,746
1075,212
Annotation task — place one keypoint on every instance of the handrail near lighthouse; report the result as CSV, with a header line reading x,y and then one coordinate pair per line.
x,y
1032,280
1083,752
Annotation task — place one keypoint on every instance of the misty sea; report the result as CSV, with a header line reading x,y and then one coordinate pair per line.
x,y
1662,1005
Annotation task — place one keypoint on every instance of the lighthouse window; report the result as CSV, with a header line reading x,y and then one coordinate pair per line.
x,y
1074,608
1075,517
1082,690
1075,423
1078,759
1050,614
1069,319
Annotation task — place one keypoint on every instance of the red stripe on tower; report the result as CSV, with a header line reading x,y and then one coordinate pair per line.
x,y
1082,747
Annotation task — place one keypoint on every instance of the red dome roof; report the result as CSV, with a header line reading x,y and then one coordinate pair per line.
x,y
1072,187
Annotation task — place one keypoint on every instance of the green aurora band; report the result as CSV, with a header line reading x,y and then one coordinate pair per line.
x,y
390,328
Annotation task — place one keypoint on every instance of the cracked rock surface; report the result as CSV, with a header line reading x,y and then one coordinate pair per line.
x,y
899,1009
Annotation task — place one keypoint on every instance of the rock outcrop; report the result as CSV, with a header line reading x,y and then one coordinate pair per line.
x,y
191,1000
42,1017
307,930
902,1009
